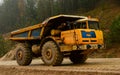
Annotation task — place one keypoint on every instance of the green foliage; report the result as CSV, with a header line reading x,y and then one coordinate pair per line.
x,y
115,31
5,46
8,15
30,12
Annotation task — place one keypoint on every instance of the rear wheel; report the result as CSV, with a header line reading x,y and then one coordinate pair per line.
x,y
77,58
51,54
23,55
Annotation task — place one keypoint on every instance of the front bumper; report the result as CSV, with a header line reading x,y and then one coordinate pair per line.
x,y
90,46
67,48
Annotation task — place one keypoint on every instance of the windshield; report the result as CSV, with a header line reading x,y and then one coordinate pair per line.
x,y
93,25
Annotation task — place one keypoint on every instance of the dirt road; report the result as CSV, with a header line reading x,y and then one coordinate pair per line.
x,y
97,66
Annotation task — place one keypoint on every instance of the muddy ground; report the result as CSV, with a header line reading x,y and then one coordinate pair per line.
x,y
93,66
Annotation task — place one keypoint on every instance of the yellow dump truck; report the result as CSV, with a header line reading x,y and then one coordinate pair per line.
x,y
58,37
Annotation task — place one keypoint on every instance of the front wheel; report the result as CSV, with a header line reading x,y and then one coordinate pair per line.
x,y
51,54
23,55
77,58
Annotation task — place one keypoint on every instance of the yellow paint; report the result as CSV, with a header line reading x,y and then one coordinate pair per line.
x,y
73,37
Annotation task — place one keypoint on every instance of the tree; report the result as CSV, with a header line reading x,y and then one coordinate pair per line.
x,y
9,15
31,12
115,30
16,14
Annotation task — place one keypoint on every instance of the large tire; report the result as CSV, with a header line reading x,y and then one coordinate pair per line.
x,y
51,54
77,58
23,55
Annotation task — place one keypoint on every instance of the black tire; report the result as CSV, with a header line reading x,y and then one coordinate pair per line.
x,y
77,58
23,55
51,54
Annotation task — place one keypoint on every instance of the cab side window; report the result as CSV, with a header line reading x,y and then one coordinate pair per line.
x,y
81,25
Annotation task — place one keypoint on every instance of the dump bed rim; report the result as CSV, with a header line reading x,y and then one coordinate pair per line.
x,y
26,29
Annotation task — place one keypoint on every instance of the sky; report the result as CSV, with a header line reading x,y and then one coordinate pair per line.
x,y
1,1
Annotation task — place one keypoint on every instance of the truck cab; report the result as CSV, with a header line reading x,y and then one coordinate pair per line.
x,y
84,34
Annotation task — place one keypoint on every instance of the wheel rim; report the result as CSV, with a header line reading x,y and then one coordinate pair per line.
x,y
20,55
48,54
